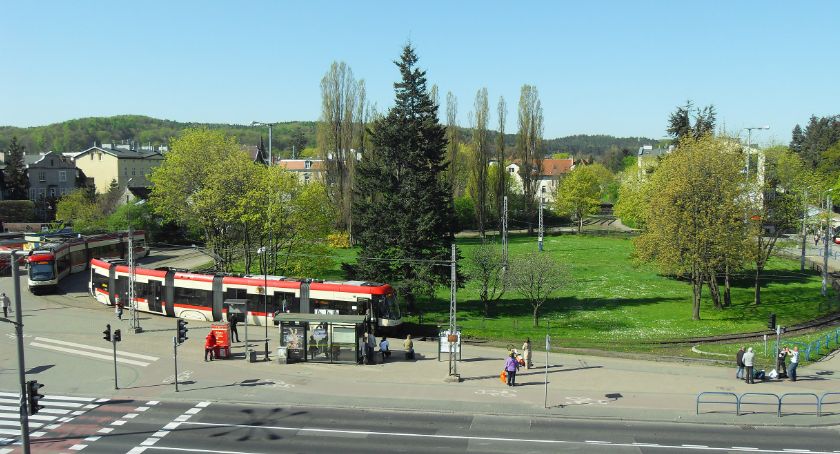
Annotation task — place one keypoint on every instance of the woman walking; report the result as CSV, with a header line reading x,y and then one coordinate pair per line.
x,y
511,365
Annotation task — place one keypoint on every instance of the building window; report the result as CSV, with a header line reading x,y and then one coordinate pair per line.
x,y
510,170
132,171
62,176
91,156
307,164
542,189
63,192
42,176
52,192
306,177
100,156
52,162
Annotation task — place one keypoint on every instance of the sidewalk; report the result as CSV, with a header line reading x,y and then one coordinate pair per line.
x,y
579,387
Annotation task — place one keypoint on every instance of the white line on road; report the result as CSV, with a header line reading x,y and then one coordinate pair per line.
x,y
81,399
164,448
35,417
92,355
467,437
97,349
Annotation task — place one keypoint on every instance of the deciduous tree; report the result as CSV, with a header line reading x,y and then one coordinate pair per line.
x,y
481,158
536,276
487,269
579,193
501,184
529,147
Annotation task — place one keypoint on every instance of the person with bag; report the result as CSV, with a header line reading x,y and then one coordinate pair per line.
x,y
749,358
511,366
781,360
209,346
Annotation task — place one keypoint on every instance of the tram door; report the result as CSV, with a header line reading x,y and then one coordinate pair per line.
x,y
154,296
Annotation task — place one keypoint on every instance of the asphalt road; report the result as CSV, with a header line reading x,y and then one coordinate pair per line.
x,y
136,427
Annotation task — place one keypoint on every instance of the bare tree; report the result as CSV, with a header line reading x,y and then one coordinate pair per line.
x,y
500,157
487,267
452,137
536,276
481,158
342,99
529,144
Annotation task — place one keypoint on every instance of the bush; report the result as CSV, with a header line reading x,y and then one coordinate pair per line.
x,y
338,240
17,210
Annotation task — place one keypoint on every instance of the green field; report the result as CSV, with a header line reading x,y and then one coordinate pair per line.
x,y
609,302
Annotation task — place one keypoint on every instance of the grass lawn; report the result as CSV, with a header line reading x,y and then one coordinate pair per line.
x,y
611,303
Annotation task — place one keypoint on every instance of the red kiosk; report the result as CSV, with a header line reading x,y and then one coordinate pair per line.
x,y
222,333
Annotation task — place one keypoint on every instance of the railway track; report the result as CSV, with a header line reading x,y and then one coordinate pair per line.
x,y
822,322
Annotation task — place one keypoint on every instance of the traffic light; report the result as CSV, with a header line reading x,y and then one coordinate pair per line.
x,y
107,333
117,335
182,331
771,322
33,396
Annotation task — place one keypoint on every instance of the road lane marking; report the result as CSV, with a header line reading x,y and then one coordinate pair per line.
x,y
469,437
96,349
165,448
91,355
106,430
149,442
81,399
16,416
78,447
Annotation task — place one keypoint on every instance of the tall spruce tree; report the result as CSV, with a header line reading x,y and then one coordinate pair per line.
x,y
402,210
17,183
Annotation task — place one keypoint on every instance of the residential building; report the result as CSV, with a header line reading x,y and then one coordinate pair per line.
x,y
120,163
548,179
51,176
306,169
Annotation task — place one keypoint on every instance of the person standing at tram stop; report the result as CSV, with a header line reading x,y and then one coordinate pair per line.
x,y
371,348
209,345
526,352
749,358
739,361
408,346
511,365
794,363
4,301
233,319
118,309
384,348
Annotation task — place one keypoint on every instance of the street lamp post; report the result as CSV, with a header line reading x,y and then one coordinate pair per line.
x,y
264,262
259,123
829,208
749,143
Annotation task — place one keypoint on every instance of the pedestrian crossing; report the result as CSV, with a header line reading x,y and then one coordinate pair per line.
x,y
57,411
90,351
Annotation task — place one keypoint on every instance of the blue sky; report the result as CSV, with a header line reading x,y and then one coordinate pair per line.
x,y
611,67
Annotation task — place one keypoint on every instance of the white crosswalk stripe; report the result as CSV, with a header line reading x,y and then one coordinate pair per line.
x,y
91,351
57,410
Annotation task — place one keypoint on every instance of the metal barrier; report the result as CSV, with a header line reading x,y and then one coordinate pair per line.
x,y
816,401
821,403
737,400
778,402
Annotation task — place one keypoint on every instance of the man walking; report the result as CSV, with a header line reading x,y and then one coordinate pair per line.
x,y
118,309
749,357
739,360
794,362
4,301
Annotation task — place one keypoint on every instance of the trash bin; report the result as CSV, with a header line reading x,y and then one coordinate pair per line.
x,y
252,356
281,355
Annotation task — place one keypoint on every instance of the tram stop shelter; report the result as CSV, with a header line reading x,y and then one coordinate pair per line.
x,y
328,338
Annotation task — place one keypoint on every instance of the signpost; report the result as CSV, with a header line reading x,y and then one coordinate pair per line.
x,y
547,348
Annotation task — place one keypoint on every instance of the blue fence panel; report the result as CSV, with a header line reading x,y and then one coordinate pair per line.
x,y
778,403
736,402
816,401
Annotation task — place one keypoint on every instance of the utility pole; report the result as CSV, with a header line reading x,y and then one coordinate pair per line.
x,y
453,323
24,415
504,233
830,207
804,218
540,234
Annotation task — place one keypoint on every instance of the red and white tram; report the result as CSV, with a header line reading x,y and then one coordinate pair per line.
x,y
59,256
196,296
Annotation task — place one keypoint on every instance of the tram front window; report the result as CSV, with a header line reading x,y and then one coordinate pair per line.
x,y
41,271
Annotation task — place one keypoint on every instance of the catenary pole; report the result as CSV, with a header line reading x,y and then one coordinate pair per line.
x,y
24,415
804,217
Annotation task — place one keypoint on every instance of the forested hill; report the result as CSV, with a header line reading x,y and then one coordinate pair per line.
x,y
77,135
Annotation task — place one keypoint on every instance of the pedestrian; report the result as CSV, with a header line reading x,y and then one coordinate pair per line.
x,y
749,358
511,365
384,348
739,360
371,348
4,301
408,346
816,239
118,309
209,345
526,351
794,362
233,319
781,367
